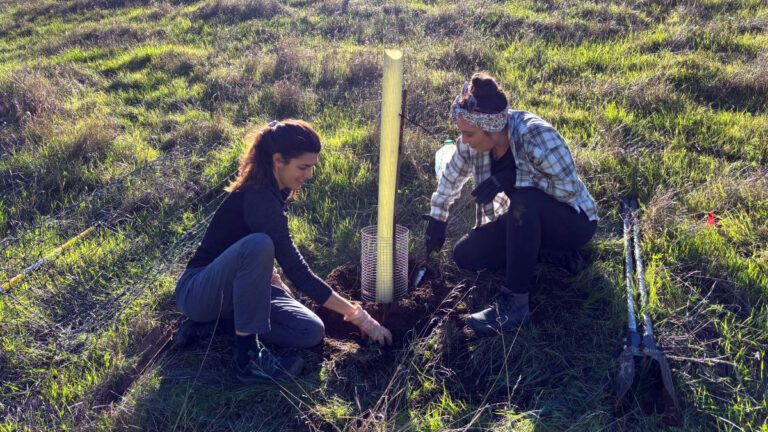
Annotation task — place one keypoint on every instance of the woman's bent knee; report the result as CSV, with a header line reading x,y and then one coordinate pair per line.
x,y
312,335
463,257
315,334
522,203
258,246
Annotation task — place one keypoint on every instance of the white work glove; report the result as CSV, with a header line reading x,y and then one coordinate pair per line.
x,y
368,325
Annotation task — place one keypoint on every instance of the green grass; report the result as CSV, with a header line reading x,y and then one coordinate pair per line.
x,y
131,113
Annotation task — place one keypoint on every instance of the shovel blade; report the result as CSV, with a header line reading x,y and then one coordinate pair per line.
x,y
418,276
626,374
668,405
645,381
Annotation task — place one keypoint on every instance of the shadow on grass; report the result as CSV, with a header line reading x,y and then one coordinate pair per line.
x,y
554,374
193,389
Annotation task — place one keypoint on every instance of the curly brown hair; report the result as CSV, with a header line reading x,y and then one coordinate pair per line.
x,y
290,138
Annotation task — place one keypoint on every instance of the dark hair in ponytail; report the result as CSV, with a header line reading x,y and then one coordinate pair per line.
x,y
290,138
490,98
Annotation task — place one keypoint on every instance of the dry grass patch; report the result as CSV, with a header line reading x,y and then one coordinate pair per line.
x,y
364,68
291,61
58,159
40,10
26,94
179,63
448,22
621,16
661,212
466,56
117,35
728,39
286,98
747,88
92,140
429,97
227,84
331,69
240,10
564,31
746,189
715,85
192,133
334,7
558,27
651,94
646,94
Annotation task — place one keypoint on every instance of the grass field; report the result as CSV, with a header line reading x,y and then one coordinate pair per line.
x,y
128,115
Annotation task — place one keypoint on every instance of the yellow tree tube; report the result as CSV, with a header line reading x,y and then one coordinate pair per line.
x,y
59,250
392,93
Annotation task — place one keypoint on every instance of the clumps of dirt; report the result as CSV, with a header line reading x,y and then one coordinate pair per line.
x,y
354,364
345,279
410,313
350,364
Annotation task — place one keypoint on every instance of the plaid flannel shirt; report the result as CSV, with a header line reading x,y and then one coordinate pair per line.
x,y
543,161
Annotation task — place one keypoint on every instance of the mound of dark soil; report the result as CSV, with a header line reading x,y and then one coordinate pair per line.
x,y
410,313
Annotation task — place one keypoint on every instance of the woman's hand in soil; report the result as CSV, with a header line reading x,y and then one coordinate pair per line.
x,y
368,325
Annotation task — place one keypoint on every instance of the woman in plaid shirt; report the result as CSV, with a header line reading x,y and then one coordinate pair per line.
x,y
529,197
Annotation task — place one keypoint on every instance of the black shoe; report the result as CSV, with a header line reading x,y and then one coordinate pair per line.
x,y
569,260
264,368
188,333
507,313
191,331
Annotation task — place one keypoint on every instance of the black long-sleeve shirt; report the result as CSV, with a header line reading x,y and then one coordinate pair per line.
x,y
259,209
505,163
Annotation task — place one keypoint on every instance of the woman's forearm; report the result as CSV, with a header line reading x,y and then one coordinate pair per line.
x,y
339,304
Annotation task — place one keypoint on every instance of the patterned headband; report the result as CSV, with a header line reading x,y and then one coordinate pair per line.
x,y
486,122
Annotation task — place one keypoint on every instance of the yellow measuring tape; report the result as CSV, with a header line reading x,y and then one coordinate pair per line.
x,y
19,277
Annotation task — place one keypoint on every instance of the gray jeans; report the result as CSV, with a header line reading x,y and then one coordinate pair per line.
x,y
237,284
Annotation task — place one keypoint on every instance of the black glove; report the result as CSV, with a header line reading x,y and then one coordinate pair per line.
x,y
500,182
435,234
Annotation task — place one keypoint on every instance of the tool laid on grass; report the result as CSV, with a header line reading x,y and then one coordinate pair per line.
x,y
47,258
642,365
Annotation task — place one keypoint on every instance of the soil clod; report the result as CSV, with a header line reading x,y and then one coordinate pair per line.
x,y
410,313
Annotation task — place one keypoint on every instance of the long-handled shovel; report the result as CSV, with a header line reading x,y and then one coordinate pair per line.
x,y
664,400
626,373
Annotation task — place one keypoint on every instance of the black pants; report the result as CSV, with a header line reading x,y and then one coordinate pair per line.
x,y
512,242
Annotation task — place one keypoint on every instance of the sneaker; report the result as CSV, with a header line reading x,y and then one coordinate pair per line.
x,y
508,312
569,260
264,368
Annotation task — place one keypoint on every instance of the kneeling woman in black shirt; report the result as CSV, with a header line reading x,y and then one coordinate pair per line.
x,y
232,273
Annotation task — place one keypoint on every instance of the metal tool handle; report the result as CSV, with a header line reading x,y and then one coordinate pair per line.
x,y
648,339
626,215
